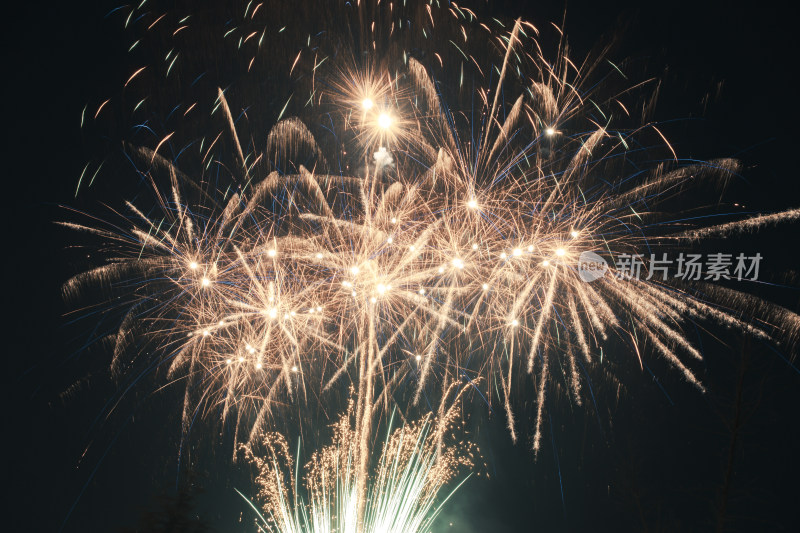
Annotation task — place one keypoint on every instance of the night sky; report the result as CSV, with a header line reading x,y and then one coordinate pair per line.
x,y
654,456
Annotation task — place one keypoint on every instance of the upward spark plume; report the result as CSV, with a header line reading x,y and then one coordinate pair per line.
x,y
413,465
399,244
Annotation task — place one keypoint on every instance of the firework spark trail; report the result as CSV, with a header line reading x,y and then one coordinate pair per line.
x,y
413,464
748,225
370,251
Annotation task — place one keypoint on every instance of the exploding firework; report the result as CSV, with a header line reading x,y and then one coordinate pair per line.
x,y
400,245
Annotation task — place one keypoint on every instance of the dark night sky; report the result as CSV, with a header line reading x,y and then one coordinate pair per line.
x,y
647,461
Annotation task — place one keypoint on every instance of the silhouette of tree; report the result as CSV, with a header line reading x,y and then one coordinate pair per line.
x,y
173,513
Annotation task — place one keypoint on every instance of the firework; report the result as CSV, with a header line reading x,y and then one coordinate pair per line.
x,y
413,465
408,245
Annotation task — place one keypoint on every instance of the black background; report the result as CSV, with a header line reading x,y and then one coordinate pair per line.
x,y
653,462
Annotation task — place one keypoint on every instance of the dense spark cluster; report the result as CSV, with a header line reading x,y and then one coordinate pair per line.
x,y
413,464
417,245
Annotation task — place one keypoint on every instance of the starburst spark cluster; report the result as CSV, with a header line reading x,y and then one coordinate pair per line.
x,y
404,245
